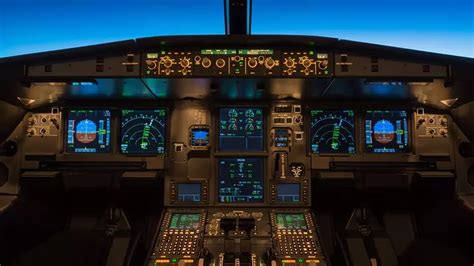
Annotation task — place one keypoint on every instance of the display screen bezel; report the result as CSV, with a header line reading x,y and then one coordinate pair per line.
x,y
65,132
408,148
354,131
165,132
263,181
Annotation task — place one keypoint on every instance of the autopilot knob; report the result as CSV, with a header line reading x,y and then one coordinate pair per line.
x,y
220,63
323,65
167,63
252,63
151,64
289,62
269,63
184,62
307,63
206,62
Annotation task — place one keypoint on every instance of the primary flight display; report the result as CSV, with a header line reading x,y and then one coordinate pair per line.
x,y
88,131
386,131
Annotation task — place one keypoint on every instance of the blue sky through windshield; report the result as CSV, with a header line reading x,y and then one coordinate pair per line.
x,y
28,26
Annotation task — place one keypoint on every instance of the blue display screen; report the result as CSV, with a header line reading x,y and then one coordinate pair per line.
x,y
289,193
241,180
199,137
189,192
241,129
386,131
143,131
88,131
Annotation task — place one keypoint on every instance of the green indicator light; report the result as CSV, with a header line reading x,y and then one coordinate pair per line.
x,y
152,55
311,52
174,260
163,52
300,260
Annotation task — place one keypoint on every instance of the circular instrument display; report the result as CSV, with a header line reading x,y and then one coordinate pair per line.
x,y
332,131
386,131
143,131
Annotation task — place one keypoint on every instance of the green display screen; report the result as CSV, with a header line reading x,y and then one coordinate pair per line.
x,y
218,52
291,221
256,52
185,221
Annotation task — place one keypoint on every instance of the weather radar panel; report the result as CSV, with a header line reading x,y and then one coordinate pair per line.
x,y
88,131
143,131
332,131
386,131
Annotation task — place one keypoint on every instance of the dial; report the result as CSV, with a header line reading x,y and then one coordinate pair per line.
x,y
143,131
332,131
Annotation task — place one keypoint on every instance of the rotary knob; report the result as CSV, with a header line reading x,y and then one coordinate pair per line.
x,y
167,62
220,63
443,132
443,121
31,132
307,63
184,62
323,65
252,62
206,62
289,62
269,63
151,64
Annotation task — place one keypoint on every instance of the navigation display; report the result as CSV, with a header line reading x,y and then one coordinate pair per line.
x,y
241,180
241,129
88,131
332,131
185,221
189,192
289,193
143,131
386,131
291,221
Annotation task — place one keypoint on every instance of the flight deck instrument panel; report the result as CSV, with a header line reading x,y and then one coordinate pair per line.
x,y
332,131
143,131
241,129
241,180
88,131
386,131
